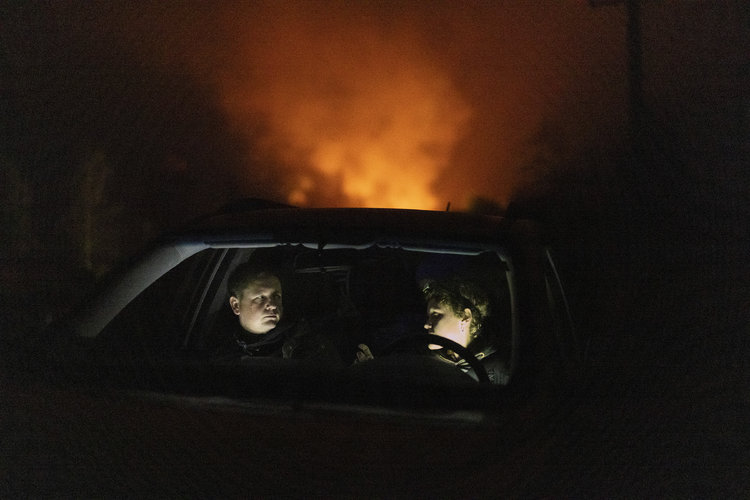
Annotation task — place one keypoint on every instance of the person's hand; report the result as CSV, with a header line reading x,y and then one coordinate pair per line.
x,y
363,353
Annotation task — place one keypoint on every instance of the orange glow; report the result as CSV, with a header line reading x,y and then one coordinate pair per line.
x,y
386,143
371,114
407,104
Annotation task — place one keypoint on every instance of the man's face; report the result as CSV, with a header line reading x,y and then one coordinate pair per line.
x,y
259,305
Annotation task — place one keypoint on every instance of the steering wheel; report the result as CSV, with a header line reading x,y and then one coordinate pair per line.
x,y
425,340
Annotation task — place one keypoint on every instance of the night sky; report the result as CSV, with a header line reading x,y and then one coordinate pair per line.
x,y
373,103
332,103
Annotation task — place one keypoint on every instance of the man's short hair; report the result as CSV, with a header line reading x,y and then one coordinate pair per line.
x,y
246,273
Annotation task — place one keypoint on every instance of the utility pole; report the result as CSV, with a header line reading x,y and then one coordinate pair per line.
x,y
635,74
635,69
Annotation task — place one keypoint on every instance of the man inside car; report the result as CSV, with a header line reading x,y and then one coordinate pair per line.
x,y
255,297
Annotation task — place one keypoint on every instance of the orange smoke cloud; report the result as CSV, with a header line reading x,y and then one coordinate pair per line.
x,y
365,110
408,104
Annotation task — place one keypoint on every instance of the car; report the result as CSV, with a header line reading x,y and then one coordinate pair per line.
x,y
131,381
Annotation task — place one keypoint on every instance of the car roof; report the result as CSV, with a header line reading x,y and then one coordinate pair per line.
x,y
344,225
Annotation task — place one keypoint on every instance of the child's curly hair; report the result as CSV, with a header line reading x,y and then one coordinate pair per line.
x,y
458,295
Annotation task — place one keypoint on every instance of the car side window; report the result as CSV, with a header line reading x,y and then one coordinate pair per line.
x,y
156,321
568,344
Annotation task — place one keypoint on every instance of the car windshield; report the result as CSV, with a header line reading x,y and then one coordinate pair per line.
x,y
368,305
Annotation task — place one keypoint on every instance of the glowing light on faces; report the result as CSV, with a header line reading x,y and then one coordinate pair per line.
x,y
259,307
442,321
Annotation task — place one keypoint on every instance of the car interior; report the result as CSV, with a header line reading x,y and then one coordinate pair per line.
x,y
367,294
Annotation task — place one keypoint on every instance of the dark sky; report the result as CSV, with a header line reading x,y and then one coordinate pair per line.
x,y
375,103
399,103
149,112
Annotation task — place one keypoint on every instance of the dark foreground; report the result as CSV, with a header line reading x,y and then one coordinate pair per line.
x,y
663,412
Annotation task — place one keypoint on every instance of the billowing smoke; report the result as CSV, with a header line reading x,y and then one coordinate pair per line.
x,y
398,104
393,104
347,103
